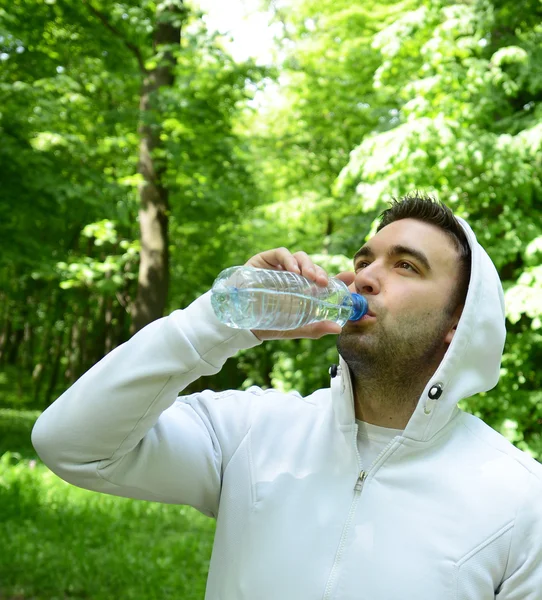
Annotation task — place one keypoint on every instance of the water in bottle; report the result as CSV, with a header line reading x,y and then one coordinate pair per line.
x,y
251,298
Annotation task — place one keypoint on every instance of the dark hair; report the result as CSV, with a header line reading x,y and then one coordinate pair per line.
x,y
428,210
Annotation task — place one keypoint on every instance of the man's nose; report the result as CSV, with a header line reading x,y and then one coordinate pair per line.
x,y
367,280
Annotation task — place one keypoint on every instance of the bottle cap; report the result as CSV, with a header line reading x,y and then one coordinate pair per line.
x,y
360,306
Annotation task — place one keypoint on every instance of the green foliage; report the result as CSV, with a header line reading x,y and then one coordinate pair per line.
x,y
524,298
105,276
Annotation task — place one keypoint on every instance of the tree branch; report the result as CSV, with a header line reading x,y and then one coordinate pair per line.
x,y
132,47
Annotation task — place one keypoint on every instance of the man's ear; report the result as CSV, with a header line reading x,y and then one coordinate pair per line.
x,y
455,322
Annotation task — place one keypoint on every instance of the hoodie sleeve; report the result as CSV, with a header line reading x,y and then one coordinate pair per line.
x,y
523,577
121,430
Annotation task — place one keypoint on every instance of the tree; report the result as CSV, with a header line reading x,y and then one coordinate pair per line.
x,y
70,90
160,48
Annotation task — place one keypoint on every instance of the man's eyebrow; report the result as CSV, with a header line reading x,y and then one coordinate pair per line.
x,y
367,252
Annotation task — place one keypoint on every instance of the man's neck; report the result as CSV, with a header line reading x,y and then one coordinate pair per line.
x,y
384,401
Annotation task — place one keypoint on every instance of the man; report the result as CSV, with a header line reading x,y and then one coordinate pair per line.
x,y
378,488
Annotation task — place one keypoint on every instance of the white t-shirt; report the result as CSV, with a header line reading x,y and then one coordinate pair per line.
x,y
372,439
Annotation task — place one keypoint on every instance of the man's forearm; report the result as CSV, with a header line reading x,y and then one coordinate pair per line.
x,y
111,408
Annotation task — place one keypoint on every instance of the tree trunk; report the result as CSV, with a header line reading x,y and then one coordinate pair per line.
x,y
73,346
5,328
15,344
153,276
327,235
5,336
56,358
83,343
52,313
108,324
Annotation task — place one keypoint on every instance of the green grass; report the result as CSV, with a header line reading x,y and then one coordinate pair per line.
x,y
15,428
58,541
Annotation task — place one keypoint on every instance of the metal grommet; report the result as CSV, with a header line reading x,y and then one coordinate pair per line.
x,y
436,391
333,370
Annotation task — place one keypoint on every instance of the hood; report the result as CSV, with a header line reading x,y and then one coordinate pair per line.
x,y
472,362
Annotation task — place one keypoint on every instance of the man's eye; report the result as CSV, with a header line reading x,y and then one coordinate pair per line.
x,y
403,265
407,266
361,265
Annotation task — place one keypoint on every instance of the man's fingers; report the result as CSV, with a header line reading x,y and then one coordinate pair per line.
x,y
306,265
325,328
313,331
321,276
277,258
310,270
282,259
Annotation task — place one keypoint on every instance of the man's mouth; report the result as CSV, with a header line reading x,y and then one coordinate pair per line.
x,y
368,316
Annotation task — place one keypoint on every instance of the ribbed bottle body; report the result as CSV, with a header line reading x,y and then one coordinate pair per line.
x,y
250,298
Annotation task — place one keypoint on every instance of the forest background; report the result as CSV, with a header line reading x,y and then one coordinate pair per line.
x,y
139,158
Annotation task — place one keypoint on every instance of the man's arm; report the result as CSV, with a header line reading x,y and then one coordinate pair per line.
x,y
119,428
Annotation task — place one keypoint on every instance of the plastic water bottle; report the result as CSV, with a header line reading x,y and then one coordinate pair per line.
x,y
251,298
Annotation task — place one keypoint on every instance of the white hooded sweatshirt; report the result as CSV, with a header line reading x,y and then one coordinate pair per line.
x,y
449,510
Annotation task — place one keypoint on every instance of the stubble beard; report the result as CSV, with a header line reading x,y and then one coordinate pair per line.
x,y
393,364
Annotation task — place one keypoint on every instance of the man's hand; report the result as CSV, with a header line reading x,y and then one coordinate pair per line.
x,y
281,259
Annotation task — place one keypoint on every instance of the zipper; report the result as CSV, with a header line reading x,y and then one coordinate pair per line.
x,y
361,478
360,481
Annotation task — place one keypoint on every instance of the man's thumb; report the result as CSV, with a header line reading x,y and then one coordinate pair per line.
x,y
346,277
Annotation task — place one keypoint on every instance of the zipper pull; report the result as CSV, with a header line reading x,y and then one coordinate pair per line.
x,y
359,483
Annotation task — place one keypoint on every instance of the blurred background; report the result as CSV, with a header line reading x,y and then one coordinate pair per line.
x,y
145,146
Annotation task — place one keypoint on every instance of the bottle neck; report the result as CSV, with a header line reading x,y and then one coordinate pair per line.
x,y
360,307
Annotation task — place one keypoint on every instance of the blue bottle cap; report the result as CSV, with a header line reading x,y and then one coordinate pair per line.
x,y
360,306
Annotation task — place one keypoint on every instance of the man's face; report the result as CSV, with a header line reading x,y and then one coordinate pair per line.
x,y
407,272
